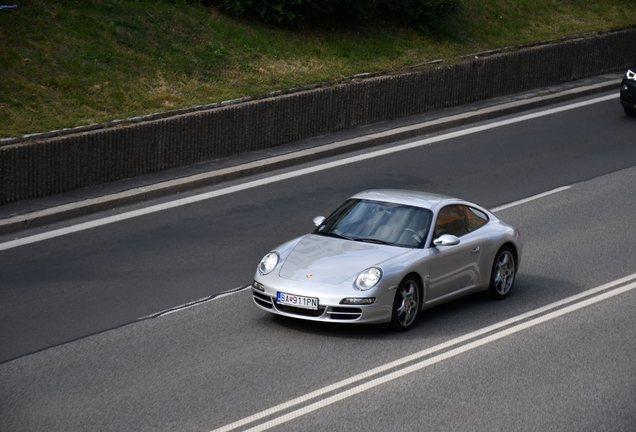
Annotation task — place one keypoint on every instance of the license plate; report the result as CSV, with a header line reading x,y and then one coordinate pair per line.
x,y
297,301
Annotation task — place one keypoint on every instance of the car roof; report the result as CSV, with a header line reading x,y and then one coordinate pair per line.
x,y
407,197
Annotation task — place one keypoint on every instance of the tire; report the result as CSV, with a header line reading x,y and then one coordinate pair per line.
x,y
406,305
630,111
503,273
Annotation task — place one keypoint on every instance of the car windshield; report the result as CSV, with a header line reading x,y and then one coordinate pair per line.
x,y
378,222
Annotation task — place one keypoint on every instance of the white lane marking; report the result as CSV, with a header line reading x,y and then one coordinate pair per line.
x,y
532,198
237,290
394,364
445,356
301,172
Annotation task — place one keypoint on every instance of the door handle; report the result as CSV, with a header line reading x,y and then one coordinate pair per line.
x,y
475,250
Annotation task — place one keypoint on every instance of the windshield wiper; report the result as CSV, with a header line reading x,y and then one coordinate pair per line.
x,y
374,240
336,235
360,239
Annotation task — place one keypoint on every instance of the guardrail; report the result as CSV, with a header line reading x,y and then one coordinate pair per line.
x,y
36,166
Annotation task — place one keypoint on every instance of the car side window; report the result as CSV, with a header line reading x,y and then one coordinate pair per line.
x,y
475,218
451,220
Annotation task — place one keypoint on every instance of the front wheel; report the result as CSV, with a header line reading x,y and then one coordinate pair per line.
x,y
630,111
406,304
503,274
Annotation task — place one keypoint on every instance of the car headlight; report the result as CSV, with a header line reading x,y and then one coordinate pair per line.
x,y
268,263
368,278
630,75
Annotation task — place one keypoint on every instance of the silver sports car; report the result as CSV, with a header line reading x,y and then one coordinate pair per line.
x,y
385,255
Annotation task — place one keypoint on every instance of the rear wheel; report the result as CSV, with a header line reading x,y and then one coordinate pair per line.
x,y
503,274
406,304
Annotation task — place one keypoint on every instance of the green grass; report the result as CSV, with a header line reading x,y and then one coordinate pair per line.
x,y
71,63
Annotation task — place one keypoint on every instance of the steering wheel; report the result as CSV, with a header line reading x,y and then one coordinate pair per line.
x,y
414,233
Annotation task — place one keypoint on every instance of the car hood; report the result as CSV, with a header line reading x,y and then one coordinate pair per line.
x,y
331,261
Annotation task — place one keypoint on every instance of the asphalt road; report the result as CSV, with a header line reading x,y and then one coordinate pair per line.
x,y
221,361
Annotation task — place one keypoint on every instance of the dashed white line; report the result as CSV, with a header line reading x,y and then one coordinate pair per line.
x,y
532,198
237,290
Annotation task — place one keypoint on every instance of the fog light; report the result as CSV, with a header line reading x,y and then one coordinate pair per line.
x,y
624,88
357,301
258,286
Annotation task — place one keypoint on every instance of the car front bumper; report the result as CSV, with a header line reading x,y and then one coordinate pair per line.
x,y
628,94
330,309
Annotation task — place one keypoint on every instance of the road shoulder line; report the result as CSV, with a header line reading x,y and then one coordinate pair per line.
x,y
448,349
140,194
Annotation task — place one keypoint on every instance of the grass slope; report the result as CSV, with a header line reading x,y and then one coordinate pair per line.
x,y
70,63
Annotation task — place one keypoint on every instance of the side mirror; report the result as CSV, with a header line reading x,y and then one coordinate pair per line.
x,y
318,220
446,240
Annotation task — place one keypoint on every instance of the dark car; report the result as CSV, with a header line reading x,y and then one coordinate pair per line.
x,y
628,91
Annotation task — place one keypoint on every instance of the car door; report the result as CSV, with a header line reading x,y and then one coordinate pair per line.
x,y
453,268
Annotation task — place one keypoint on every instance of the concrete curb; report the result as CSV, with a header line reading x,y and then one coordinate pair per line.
x,y
136,195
